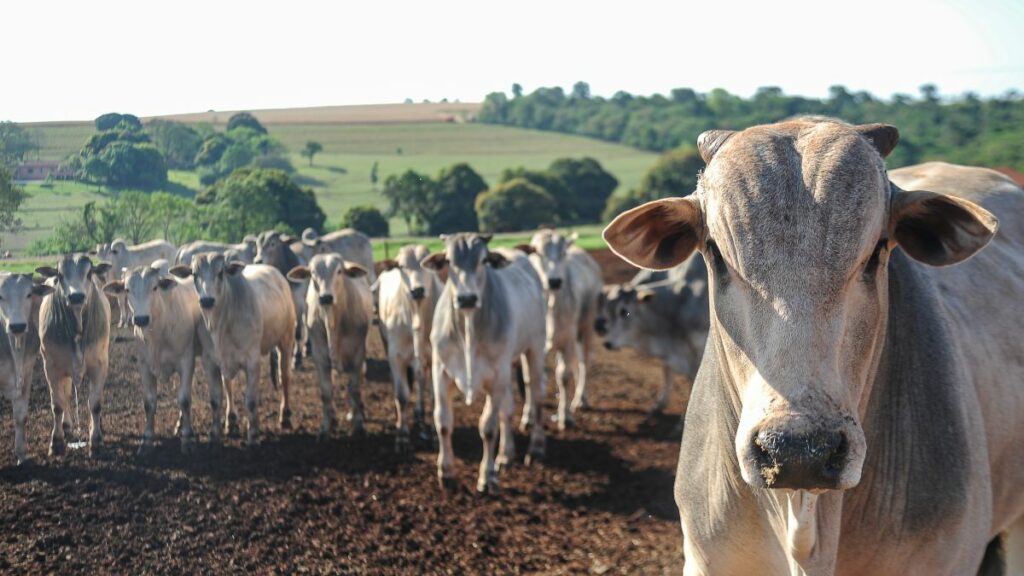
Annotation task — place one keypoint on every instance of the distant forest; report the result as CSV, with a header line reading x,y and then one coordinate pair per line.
x,y
963,129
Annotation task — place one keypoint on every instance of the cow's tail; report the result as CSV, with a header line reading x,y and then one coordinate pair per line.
x,y
275,367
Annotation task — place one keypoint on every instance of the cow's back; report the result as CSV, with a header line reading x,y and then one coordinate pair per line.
x,y
980,299
274,299
523,297
354,246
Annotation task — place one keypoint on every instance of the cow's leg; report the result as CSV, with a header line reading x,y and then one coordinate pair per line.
x,y
534,368
231,427
326,373
399,374
300,340
507,443
443,422
149,405
252,401
186,372
584,349
527,421
1015,548
20,408
55,378
215,384
666,389
488,477
285,370
356,376
97,373
565,372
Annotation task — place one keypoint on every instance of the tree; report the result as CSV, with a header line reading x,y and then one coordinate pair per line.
x,y
136,216
113,120
178,142
514,205
373,174
252,199
409,196
517,90
175,217
581,91
15,143
11,199
134,165
96,170
452,203
674,174
589,187
247,120
551,184
101,223
366,219
312,149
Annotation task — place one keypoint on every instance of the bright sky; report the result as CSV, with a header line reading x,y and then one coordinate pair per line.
x,y
64,60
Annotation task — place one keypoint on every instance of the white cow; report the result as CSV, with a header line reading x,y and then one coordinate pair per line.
x,y
171,334
19,346
407,296
351,245
74,330
123,256
572,280
244,251
491,313
340,312
248,312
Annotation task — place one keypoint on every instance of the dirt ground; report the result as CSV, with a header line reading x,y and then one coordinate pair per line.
x,y
601,502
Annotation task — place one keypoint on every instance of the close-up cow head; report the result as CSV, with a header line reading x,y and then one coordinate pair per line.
x,y
17,292
270,247
416,278
548,251
139,287
73,279
616,313
323,271
797,223
209,272
466,256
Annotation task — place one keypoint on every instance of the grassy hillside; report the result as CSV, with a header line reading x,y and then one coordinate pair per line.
x,y
340,175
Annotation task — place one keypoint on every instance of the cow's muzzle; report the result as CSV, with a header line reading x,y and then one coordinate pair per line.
x,y
326,299
77,298
206,302
18,328
467,300
141,321
800,460
418,293
554,283
601,326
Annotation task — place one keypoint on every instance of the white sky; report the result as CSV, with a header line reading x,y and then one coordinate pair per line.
x,y
77,59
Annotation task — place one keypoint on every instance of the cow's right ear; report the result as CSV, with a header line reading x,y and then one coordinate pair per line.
x,y
298,275
657,235
41,289
388,264
937,229
114,288
47,271
166,283
234,267
436,262
525,248
181,271
92,253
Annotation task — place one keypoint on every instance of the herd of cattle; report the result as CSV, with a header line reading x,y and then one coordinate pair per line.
x,y
858,401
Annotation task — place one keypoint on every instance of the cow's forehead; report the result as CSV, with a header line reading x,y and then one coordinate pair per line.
x,y
466,250
71,263
550,244
813,195
409,256
325,265
10,283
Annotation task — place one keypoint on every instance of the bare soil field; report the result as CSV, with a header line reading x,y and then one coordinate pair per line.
x,y
601,502
356,114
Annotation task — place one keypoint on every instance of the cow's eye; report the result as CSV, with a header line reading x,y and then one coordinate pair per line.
x,y
718,263
871,268
624,313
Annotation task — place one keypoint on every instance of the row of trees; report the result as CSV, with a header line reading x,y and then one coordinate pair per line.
x,y
966,129
120,154
249,200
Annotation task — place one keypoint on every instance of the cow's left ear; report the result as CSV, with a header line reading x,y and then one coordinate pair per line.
x,y
165,283
101,268
937,229
47,271
114,288
657,235
436,261
353,270
234,267
643,295
41,289
298,275
572,238
526,248
496,260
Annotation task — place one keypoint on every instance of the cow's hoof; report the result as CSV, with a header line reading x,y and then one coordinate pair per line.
x,y
216,441
188,446
448,483
566,423
359,432
504,461
57,448
402,444
525,425
286,421
231,428
96,450
536,454
580,406
67,429
488,487
25,461
145,449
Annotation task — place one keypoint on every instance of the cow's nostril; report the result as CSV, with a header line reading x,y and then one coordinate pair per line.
x,y
467,300
206,302
18,328
800,461
417,293
327,299
77,298
141,321
554,283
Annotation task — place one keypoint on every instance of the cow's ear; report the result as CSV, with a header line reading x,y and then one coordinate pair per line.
x,y
388,264
496,260
485,237
41,289
882,136
181,271
353,270
436,261
526,248
288,239
234,267
114,288
92,253
298,275
165,283
643,295
939,230
657,235
101,268
47,271
572,238
709,142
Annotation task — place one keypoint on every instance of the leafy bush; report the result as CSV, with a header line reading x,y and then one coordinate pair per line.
x,y
246,120
514,205
366,219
